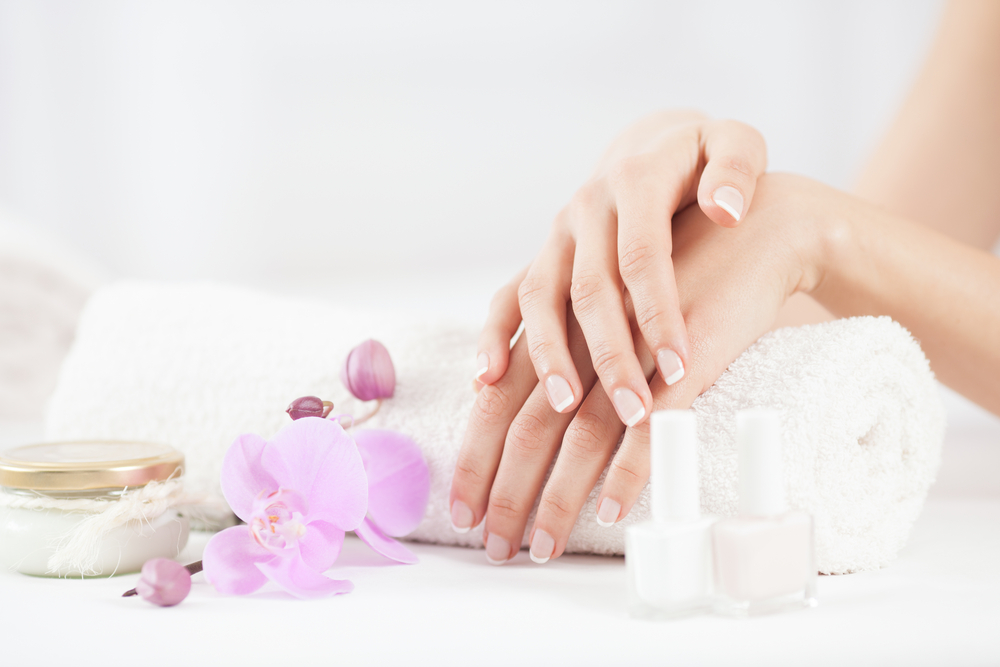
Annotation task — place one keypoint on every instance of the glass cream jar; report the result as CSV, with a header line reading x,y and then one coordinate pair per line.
x,y
94,508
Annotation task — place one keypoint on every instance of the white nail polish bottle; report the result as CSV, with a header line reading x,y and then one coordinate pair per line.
x,y
764,558
668,559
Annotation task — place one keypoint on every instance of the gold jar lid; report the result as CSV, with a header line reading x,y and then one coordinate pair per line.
x,y
84,465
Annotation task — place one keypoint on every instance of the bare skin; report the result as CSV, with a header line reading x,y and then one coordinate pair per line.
x,y
914,252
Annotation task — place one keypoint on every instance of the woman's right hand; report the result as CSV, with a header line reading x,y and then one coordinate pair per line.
x,y
615,235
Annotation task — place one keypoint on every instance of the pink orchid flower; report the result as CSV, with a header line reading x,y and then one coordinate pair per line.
x,y
398,487
298,494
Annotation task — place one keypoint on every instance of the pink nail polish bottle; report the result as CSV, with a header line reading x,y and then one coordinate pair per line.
x,y
763,559
668,559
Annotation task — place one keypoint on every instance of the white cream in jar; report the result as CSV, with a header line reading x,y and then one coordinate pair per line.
x,y
89,508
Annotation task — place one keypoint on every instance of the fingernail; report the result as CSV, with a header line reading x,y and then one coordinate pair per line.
x,y
670,365
729,198
461,517
607,513
497,549
628,405
542,545
560,394
483,364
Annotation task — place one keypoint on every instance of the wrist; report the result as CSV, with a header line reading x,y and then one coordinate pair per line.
x,y
840,251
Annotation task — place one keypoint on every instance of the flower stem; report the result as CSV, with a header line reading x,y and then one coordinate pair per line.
x,y
378,404
192,568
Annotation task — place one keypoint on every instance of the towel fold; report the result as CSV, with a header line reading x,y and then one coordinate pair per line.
x,y
195,365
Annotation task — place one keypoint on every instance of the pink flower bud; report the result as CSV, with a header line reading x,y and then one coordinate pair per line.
x,y
309,406
368,372
164,582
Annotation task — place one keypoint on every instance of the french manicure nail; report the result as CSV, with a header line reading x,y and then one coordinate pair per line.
x,y
670,365
482,363
560,394
628,405
607,513
542,545
497,549
729,198
461,517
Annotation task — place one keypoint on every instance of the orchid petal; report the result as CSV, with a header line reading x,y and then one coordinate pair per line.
x,y
383,544
398,480
230,561
321,545
243,476
318,459
297,578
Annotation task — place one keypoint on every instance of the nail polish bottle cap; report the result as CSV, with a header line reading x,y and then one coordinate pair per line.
x,y
674,466
762,482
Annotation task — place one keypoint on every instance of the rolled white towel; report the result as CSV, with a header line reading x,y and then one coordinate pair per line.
x,y
43,288
196,365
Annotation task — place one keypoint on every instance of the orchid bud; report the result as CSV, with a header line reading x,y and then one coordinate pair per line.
x,y
309,406
164,582
368,372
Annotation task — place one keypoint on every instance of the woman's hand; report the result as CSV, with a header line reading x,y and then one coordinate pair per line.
x,y
615,235
730,283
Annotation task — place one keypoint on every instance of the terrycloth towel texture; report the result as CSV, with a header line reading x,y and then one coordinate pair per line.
x,y
196,365
43,288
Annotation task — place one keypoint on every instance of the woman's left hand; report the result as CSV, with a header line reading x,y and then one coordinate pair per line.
x,y
731,284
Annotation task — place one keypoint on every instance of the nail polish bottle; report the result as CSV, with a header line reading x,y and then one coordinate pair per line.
x,y
668,559
764,559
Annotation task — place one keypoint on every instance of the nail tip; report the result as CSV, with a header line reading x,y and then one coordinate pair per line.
x,y
727,208
537,559
565,404
495,562
675,377
459,530
604,524
635,419
481,372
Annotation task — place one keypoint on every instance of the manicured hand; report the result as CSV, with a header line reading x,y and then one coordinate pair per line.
x,y
731,284
615,235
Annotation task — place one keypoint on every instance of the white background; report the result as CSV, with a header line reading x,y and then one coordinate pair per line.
x,y
325,146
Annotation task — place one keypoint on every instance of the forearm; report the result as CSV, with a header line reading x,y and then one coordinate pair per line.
x,y
945,292
937,163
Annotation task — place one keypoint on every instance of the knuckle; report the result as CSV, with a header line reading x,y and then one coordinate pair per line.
x,y
627,471
492,404
630,171
650,317
605,358
526,436
558,507
469,472
588,438
540,350
505,506
589,196
586,289
529,291
738,164
636,256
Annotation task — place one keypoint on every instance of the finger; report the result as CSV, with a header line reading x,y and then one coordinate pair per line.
x,y
543,296
529,448
494,341
492,413
589,442
735,157
587,445
629,470
598,303
645,202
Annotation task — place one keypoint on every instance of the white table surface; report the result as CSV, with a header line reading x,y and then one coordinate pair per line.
x,y
937,605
